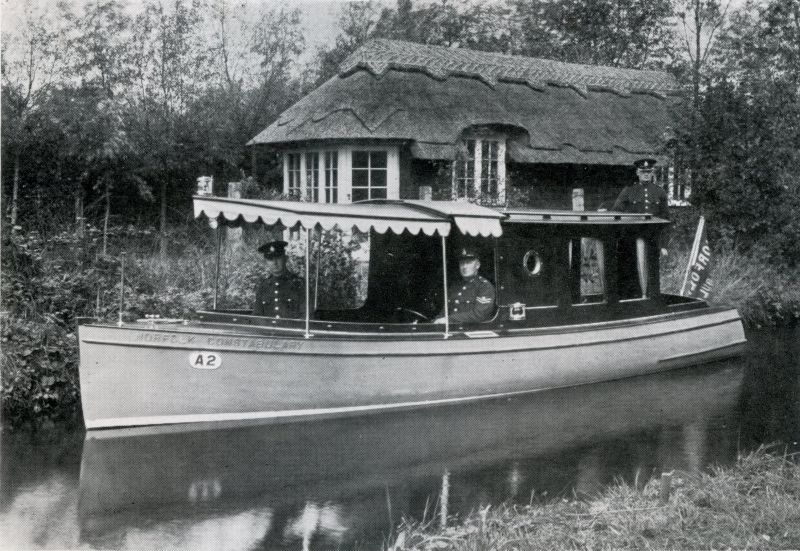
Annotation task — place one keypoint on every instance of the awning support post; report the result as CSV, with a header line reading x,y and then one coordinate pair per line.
x,y
316,270
444,279
216,269
308,283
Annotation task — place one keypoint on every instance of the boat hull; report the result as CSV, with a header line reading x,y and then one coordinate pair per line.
x,y
138,375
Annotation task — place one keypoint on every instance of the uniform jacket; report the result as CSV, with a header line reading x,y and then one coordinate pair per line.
x,y
471,300
280,297
647,198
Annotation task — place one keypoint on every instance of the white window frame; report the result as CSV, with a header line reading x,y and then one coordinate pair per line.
x,y
676,189
344,170
477,176
293,175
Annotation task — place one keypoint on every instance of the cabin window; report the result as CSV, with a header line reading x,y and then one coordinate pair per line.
x,y
370,175
632,268
532,263
312,176
479,170
293,172
331,177
587,270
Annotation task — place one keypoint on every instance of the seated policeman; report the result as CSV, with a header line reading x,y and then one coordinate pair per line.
x,y
280,294
471,299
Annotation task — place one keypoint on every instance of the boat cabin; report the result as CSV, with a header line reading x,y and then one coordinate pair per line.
x,y
548,267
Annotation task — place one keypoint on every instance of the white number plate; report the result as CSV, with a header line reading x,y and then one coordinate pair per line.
x,y
205,360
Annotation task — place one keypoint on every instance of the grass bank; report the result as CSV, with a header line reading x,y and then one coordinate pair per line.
x,y
765,295
754,504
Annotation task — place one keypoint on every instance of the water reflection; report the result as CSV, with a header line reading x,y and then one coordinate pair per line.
x,y
346,481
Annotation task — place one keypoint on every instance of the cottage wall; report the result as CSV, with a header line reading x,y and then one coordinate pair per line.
x,y
532,185
551,185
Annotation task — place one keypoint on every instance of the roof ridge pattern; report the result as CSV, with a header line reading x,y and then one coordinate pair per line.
x,y
380,55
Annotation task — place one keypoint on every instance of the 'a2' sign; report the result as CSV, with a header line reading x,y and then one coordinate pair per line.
x,y
205,360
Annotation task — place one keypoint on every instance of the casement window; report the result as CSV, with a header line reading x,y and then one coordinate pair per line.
x,y
292,179
677,187
370,175
480,170
464,177
342,175
331,177
312,176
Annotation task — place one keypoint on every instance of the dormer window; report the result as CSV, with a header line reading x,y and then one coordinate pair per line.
x,y
480,171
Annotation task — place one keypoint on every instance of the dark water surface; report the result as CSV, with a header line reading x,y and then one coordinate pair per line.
x,y
345,483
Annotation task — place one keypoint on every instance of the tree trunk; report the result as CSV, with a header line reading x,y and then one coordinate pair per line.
x,y
162,237
106,216
79,225
698,27
15,193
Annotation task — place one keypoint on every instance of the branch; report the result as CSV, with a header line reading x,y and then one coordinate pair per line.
x,y
686,39
714,29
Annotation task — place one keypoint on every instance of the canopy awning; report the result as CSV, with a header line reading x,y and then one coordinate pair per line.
x,y
428,217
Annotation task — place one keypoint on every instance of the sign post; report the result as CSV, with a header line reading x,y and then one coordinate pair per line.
x,y
696,281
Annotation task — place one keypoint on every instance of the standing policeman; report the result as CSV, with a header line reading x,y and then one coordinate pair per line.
x,y
643,196
280,294
472,299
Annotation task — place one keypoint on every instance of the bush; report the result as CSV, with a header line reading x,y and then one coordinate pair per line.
x,y
39,372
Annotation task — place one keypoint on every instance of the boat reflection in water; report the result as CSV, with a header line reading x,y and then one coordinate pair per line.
x,y
342,482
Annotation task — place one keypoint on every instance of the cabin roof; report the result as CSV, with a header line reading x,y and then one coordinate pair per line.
x,y
413,216
541,216
429,95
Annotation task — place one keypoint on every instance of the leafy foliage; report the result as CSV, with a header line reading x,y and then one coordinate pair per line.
x,y
749,134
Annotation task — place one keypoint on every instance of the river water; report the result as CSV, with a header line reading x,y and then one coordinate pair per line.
x,y
346,483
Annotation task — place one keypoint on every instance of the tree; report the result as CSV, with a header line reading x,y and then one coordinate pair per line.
x,y
748,131
98,119
443,23
252,54
170,71
357,22
32,62
619,33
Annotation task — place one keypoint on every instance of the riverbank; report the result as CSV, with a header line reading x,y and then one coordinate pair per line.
x,y
754,503
765,295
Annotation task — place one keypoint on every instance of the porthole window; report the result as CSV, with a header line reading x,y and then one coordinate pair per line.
x,y
532,263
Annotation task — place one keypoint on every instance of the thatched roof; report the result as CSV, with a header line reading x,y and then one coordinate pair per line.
x,y
427,96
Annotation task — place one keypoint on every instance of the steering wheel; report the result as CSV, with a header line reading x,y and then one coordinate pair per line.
x,y
418,315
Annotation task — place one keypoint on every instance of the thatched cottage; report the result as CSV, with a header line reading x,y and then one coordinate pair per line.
x,y
406,120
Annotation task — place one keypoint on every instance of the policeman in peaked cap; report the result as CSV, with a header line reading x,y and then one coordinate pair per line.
x,y
280,294
643,196
472,299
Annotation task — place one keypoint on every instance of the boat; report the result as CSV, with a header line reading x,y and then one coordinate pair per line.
x,y
578,302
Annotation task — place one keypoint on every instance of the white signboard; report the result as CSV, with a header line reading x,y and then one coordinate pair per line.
x,y
205,185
